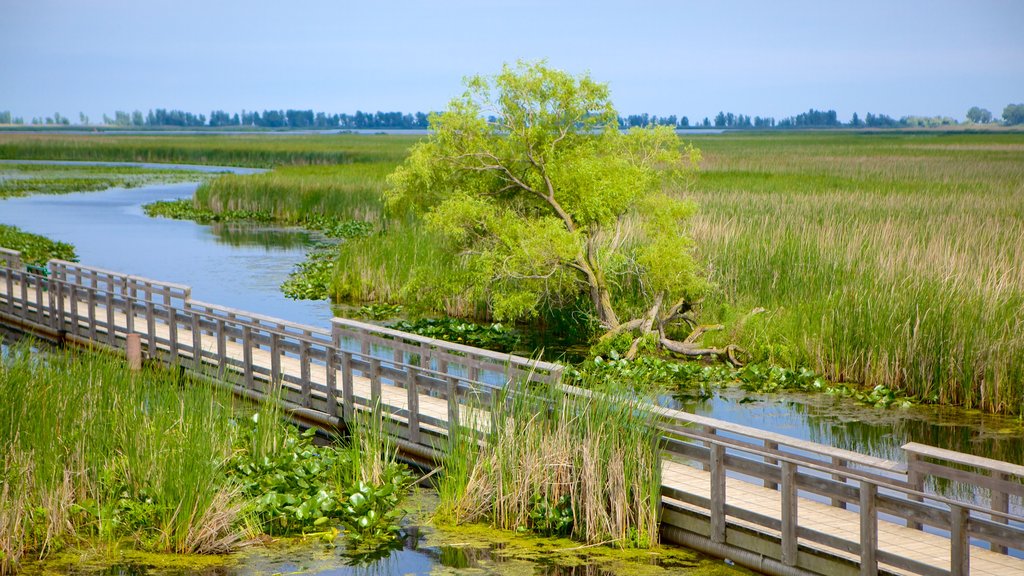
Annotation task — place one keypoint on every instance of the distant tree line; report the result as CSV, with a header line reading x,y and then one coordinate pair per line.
x,y
308,119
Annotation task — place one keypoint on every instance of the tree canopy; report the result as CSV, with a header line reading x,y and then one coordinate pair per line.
x,y
528,178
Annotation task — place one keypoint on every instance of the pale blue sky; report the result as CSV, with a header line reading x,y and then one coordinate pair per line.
x,y
774,58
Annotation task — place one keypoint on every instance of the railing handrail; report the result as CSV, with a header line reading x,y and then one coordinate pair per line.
x,y
497,357
970,460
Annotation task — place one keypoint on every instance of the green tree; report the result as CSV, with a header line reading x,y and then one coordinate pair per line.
x,y
1013,114
530,181
979,115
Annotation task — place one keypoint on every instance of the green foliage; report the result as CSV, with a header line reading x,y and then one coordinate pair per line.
x,y
379,311
549,200
185,209
311,279
35,249
646,374
550,517
491,337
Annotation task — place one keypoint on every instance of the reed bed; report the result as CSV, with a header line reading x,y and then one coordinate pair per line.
x,y
91,450
293,193
890,260
588,468
257,150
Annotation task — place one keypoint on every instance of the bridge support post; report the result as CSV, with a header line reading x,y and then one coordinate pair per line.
x,y
133,351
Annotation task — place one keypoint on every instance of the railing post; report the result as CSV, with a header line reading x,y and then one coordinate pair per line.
x,y
247,357
108,302
837,463
275,357
453,402
790,544
774,446
197,338
717,464
331,379
374,381
959,542
414,405
710,431
307,385
348,396
916,481
1000,502
868,529
172,332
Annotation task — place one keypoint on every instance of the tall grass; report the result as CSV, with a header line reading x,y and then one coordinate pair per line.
x,y
261,151
405,264
557,464
294,193
889,260
92,450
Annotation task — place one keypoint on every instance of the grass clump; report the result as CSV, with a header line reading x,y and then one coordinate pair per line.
x,y
35,249
554,464
92,451
95,455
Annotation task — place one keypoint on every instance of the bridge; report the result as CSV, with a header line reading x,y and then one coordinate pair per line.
x,y
769,502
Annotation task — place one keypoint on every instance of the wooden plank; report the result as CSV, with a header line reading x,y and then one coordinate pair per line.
x,y
247,371
717,493
868,530
375,381
972,478
959,542
772,446
964,459
413,403
347,391
307,398
789,514
1000,502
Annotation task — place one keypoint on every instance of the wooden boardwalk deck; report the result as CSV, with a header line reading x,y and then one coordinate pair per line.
x,y
773,503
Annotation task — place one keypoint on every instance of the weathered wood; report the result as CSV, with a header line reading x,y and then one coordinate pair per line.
x,y
133,351
771,446
413,399
717,493
247,371
959,542
1000,502
868,530
789,514
347,392
838,463
307,397
375,381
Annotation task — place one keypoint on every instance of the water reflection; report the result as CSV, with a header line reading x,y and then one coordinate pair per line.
x,y
243,234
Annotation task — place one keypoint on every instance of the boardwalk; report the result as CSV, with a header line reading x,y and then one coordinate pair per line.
x,y
773,503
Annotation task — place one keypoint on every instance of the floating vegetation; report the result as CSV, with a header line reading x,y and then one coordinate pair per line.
x,y
35,249
494,336
27,179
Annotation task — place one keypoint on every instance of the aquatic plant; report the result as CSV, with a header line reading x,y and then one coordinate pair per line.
x,y
35,249
554,463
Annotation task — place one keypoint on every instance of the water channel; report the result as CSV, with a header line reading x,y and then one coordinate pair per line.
x,y
243,265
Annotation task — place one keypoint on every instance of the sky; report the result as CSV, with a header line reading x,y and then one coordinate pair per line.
x,y
681,57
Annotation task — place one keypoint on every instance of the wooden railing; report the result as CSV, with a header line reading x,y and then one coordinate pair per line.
x,y
356,366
